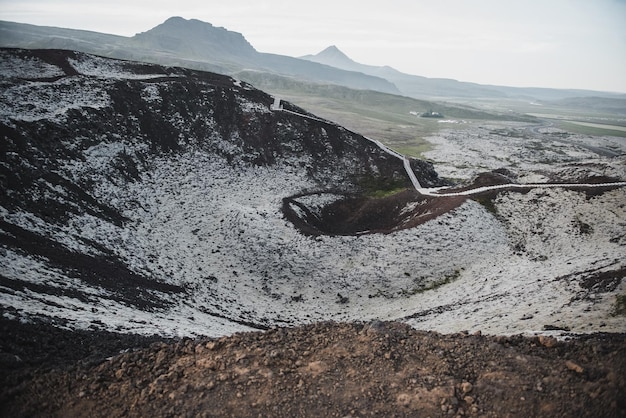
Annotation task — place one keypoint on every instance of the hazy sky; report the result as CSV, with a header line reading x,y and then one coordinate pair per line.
x,y
540,43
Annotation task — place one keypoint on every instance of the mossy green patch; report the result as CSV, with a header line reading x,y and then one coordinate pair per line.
x,y
487,202
376,186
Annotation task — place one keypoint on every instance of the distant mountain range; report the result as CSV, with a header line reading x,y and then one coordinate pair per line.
x,y
200,45
188,43
420,87
410,85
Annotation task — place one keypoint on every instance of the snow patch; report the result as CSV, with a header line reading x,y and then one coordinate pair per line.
x,y
26,67
32,100
94,66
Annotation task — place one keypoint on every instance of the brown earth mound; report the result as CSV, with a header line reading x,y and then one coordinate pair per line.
x,y
327,369
359,214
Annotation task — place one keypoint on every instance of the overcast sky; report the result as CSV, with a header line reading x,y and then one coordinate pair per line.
x,y
539,43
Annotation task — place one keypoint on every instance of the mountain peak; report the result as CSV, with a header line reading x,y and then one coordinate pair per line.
x,y
176,20
334,57
195,38
334,53
180,24
331,49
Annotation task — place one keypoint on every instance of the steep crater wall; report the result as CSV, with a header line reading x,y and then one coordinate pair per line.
x,y
327,213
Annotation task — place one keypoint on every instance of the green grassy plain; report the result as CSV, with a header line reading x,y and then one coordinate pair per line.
x,y
587,128
393,119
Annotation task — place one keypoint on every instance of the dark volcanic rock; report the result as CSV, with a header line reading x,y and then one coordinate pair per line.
x,y
79,132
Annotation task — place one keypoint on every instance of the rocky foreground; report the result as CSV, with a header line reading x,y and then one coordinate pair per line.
x,y
327,369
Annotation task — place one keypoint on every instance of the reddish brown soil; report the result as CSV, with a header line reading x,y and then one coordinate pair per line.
x,y
327,369
357,214
360,214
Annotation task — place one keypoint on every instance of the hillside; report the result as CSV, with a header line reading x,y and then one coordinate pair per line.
x,y
374,369
189,184
145,204
100,157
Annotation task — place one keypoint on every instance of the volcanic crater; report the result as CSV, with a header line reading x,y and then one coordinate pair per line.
x,y
336,213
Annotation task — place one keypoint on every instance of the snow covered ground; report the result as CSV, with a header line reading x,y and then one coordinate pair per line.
x,y
549,258
557,238
532,151
220,232
202,225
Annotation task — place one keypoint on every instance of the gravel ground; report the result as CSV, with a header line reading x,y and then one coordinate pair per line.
x,y
327,369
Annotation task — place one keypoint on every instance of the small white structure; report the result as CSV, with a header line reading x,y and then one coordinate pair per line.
x,y
276,105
